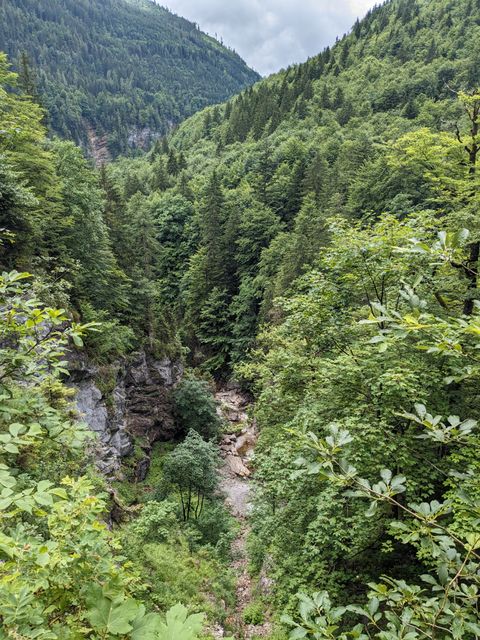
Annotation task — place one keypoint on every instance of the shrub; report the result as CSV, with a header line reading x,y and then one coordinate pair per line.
x,y
195,408
156,522
192,469
254,613
216,527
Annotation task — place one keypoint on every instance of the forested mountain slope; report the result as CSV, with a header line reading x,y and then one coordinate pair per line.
x,y
124,69
290,152
64,573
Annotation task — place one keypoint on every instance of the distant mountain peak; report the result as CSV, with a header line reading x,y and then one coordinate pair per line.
x,y
125,70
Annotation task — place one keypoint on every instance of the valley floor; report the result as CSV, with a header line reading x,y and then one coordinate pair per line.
x,y
237,449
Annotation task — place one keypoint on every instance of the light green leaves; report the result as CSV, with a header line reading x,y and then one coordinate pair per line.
x,y
447,249
318,618
448,431
112,616
145,627
41,494
178,625
181,626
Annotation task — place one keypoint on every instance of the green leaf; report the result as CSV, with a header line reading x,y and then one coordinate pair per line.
x,y
373,606
43,485
386,475
180,626
44,499
77,341
5,503
11,448
113,616
297,633
146,627
59,492
35,430
16,429
443,574
42,559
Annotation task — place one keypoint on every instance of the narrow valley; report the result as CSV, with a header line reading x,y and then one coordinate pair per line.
x,y
250,618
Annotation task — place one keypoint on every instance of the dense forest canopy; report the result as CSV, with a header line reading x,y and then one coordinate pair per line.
x,y
116,72
317,238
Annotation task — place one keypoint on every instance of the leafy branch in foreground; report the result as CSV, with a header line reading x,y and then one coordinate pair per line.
x,y
446,605
61,573
445,533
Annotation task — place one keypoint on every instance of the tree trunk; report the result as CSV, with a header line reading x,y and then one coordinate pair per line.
x,y
472,276
472,267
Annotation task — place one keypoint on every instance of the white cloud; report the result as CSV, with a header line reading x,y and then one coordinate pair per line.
x,y
271,34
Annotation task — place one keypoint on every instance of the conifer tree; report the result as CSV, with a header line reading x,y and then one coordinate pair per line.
x,y
212,220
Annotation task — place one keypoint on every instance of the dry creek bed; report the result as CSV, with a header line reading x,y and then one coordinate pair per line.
x,y
237,450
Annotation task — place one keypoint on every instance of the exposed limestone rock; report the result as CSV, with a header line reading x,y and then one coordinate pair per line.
x,y
92,407
149,409
139,407
98,146
236,449
237,467
233,405
244,443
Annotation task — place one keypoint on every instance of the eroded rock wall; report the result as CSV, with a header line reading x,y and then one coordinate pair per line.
x,y
138,409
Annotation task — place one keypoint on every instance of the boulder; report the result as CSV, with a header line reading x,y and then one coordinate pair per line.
x,y
237,467
245,444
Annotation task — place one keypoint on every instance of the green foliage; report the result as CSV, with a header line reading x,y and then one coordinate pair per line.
x,y
325,223
156,521
395,609
177,562
215,528
181,625
176,573
111,340
47,556
60,568
72,228
382,327
195,409
331,137
112,617
254,613
111,83
86,241
192,469
28,178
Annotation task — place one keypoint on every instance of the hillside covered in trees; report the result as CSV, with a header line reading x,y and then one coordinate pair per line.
x,y
120,72
315,238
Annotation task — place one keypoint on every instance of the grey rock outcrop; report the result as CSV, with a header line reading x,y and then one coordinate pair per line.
x,y
138,409
236,448
91,405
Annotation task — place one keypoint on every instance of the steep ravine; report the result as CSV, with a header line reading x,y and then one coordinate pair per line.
x,y
137,409
237,450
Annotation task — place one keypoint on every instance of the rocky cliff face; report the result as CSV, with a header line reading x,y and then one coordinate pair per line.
x,y
137,410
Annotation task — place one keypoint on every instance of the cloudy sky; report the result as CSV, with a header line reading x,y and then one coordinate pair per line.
x,y
271,34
